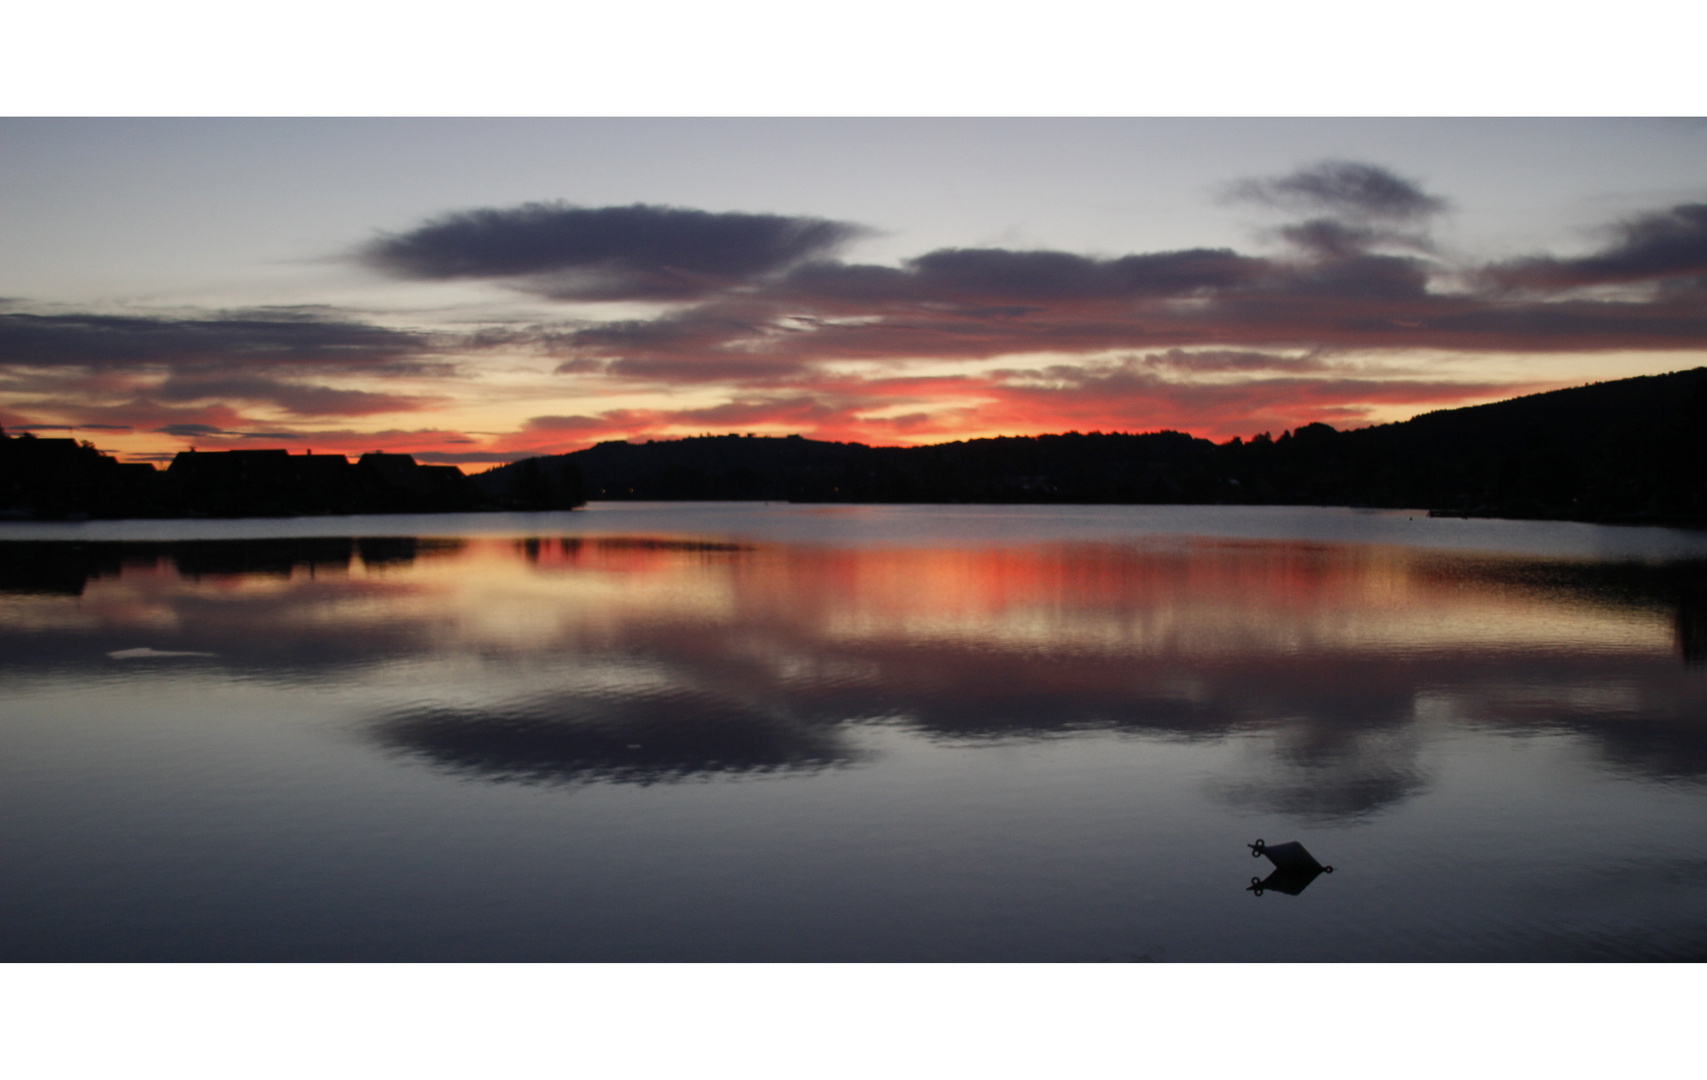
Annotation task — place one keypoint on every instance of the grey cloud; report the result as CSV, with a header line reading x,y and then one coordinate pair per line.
x,y
684,346
1344,187
567,423
799,408
70,427
283,339
990,276
1347,287
724,367
1670,243
1334,239
191,431
1354,277
297,398
613,252
1219,360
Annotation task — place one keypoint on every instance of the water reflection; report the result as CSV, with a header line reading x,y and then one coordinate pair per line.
x,y
621,746
1294,868
644,739
736,657
1291,881
51,567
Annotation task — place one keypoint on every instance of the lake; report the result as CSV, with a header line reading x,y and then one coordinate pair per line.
x,y
747,732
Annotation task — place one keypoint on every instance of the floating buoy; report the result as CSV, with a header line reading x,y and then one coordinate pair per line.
x,y
1288,856
1294,868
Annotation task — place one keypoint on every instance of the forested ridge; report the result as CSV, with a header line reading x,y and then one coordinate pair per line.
x,y
1631,450
1634,450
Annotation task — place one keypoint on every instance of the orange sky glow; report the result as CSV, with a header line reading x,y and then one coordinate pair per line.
x,y
1228,301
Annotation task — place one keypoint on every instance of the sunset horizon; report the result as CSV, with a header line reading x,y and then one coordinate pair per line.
x,y
475,292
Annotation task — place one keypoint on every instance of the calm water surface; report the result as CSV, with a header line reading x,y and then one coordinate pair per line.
x,y
747,732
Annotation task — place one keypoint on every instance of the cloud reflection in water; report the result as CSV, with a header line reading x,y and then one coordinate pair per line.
x,y
642,739
760,657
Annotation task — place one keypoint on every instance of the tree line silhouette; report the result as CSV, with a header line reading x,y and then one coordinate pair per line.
x,y
61,478
1633,450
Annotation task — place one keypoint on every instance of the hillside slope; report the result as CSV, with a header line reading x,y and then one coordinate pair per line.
x,y
1631,450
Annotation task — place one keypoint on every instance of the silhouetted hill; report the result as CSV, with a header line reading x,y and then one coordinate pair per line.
x,y
1635,449
61,478
1632,450
541,483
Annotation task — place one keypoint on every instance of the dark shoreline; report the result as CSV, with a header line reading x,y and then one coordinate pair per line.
x,y
1631,452
9,517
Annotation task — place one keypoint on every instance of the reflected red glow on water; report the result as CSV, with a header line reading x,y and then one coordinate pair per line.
x,y
949,729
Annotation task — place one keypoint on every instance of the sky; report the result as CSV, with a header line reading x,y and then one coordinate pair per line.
x,y
474,291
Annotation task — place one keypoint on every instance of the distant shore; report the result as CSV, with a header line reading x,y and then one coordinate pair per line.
x,y
1630,452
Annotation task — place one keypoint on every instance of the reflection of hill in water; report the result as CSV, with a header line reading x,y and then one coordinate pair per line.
x,y
65,568
636,740
1679,588
978,645
55,569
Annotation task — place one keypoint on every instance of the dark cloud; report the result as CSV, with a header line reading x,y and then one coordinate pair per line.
x,y
1667,244
286,338
992,277
726,368
1354,277
1345,188
295,398
567,423
798,410
141,372
71,427
1330,238
193,431
1354,300
1360,278
602,422
692,346
1219,360
612,252
1139,394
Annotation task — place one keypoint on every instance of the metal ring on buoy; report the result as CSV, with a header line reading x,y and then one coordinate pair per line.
x,y
1256,885
1256,849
